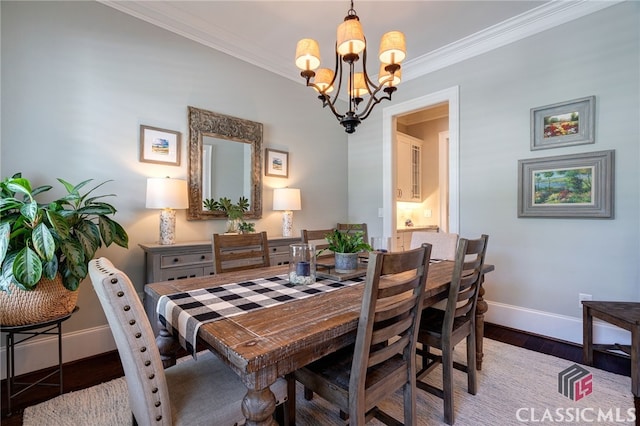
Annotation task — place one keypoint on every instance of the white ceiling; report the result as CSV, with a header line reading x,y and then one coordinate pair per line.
x,y
438,33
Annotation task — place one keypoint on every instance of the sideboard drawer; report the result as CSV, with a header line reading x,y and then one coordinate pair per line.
x,y
171,274
173,260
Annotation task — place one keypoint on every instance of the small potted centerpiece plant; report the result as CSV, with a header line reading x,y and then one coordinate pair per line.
x,y
233,211
346,246
45,247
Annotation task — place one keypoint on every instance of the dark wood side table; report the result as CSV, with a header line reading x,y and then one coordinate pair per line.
x,y
51,327
625,315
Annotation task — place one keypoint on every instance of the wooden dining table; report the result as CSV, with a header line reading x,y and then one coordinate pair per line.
x,y
268,343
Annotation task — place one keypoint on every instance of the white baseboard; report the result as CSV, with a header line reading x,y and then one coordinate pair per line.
x,y
553,325
42,352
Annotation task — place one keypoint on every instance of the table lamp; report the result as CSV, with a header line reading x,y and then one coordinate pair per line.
x,y
286,199
167,194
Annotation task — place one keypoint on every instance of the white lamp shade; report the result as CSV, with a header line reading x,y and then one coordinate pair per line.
x,y
307,54
167,193
286,199
350,37
392,48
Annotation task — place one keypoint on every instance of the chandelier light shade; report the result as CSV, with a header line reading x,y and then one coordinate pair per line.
x,y
363,94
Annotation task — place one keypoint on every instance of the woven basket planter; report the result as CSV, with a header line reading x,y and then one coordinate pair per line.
x,y
48,301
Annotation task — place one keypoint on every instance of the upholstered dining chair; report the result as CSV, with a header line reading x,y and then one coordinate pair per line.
x,y
236,252
382,360
202,392
445,329
444,243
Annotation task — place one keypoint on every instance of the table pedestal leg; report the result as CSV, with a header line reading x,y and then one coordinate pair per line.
x,y
258,407
168,347
481,309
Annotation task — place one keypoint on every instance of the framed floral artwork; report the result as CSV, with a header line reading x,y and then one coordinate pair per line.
x,y
568,186
563,124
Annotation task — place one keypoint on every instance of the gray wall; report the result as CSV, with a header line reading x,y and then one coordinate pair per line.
x,y
78,80
541,264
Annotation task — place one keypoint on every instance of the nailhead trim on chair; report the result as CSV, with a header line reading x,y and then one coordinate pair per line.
x,y
143,349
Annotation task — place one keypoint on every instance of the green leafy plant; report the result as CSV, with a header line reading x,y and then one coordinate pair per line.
x,y
246,227
39,240
224,204
347,242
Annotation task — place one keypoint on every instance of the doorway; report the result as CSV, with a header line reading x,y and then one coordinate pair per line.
x,y
390,124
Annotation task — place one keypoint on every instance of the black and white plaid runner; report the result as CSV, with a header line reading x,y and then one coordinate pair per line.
x,y
184,313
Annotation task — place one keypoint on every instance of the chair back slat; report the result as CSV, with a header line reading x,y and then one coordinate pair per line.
x,y
318,238
354,227
465,282
390,313
237,252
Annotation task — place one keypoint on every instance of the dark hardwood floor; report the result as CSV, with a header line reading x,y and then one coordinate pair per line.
x,y
102,368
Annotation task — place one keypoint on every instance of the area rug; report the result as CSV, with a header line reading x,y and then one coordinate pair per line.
x,y
516,386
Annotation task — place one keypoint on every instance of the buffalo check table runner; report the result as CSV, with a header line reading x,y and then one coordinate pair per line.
x,y
184,313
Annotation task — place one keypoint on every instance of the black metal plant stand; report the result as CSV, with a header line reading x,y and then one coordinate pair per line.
x,y
51,327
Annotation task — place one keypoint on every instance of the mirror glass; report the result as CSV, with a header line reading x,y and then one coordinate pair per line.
x,y
225,160
226,169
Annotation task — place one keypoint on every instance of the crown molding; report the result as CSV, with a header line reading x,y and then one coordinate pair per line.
x,y
549,15
534,21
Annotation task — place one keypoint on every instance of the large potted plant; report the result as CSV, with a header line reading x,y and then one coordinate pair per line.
x,y
346,246
45,247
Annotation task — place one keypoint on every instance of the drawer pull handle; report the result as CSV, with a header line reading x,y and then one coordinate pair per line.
x,y
176,260
203,257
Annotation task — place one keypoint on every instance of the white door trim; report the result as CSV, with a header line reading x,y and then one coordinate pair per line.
x,y
389,114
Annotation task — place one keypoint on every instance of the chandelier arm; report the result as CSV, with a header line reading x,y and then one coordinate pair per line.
x,y
367,80
373,101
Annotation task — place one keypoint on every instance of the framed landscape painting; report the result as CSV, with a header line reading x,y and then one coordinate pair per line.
x,y
577,186
277,163
160,146
563,124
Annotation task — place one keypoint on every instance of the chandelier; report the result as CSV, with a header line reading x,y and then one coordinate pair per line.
x,y
350,44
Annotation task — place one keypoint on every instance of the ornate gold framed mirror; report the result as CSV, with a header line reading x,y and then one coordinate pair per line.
x,y
225,160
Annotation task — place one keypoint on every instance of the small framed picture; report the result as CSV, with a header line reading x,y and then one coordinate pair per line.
x,y
276,163
563,124
160,146
576,185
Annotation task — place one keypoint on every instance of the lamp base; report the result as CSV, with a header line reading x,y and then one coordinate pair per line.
x,y
287,223
167,227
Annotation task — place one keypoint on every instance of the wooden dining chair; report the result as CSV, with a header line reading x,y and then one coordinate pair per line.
x,y
445,329
237,252
192,392
318,238
382,360
351,228
354,227
444,243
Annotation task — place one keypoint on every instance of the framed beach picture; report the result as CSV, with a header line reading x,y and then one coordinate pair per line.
x,y
563,124
276,163
160,146
577,185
